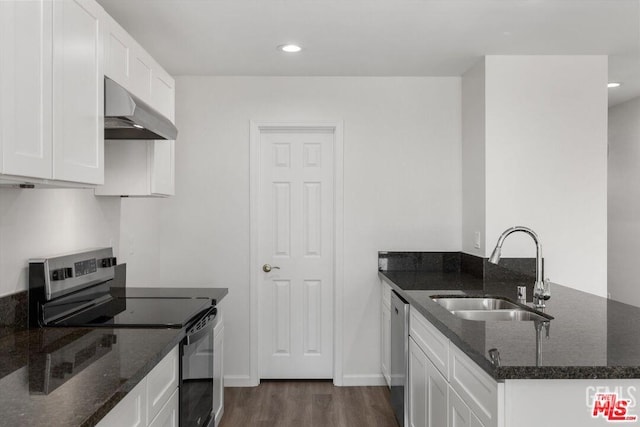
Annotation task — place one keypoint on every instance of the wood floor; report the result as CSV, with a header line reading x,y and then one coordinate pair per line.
x,y
307,404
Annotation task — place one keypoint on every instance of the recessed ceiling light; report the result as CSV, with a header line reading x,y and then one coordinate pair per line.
x,y
613,84
290,48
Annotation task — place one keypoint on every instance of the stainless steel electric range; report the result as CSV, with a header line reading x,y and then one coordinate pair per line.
x,y
88,289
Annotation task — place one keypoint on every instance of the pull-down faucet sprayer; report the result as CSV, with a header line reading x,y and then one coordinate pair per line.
x,y
541,291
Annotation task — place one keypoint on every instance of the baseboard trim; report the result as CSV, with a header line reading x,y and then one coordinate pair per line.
x,y
363,380
347,381
238,381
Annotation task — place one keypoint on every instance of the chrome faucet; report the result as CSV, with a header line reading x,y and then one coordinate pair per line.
x,y
541,291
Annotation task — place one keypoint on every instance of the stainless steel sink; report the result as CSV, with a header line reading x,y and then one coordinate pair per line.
x,y
489,309
452,304
488,315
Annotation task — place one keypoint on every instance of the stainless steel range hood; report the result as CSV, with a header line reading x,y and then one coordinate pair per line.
x,y
128,117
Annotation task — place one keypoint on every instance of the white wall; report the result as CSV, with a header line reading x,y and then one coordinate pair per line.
x,y
402,180
473,160
624,201
43,222
546,153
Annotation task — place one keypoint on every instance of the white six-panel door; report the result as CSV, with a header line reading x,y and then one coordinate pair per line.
x,y
296,214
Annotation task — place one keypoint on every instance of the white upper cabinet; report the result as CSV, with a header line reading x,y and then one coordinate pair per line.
x,y
25,85
141,75
118,51
138,168
78,92
129,65
52,100
163,93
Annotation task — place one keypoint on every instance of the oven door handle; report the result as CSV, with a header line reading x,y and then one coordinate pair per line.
x,y
203,332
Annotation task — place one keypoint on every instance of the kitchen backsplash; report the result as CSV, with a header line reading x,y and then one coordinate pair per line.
x,y
13,313
509,269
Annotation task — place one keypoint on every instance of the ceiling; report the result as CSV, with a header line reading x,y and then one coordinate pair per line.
x,y
379,37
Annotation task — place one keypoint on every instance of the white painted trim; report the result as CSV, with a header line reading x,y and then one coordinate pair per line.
x,y
238,381
338,253
254,190
363,380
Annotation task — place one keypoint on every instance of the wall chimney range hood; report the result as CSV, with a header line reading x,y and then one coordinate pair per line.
x,y
128,117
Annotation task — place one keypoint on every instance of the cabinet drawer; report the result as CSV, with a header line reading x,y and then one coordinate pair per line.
x,y
475,387
162,381
431,341
130,411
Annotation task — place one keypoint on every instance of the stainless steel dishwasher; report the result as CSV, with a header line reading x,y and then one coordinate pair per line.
x,y
400,358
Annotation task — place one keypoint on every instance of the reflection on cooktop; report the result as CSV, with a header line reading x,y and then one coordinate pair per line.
x,y
57,357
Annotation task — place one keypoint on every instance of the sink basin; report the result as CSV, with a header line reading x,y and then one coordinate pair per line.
x,y
454,304
489,309
488,315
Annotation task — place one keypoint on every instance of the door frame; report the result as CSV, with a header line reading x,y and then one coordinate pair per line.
x,y
256,127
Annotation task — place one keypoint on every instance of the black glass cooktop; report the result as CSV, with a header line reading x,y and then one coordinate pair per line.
x,y
139,312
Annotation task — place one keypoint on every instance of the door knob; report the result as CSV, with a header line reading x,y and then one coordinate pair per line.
x,y
267,268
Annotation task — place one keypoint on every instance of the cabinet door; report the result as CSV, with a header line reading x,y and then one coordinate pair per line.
x,y
163,92
459,414
162,165
428,391
474,421
478,390
169,414
141,75
162,381
25,85
218,372
131,411
118,52
78,92
437,397
417,386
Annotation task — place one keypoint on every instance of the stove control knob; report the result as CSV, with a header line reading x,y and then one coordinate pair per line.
x,y
108,262
62,273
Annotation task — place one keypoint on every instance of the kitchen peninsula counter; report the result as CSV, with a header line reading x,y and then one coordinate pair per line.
x,y
590,337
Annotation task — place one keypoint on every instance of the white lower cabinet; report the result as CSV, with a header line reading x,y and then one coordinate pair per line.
x,y
478,390
169,415
154,401
130,411
218,368
428,391
162,381
385,328
459,413
446,388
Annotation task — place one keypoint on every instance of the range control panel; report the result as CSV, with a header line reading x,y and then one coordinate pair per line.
x,y
67,273
87,266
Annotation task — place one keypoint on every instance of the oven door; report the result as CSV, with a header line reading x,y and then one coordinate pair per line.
x,y
196,374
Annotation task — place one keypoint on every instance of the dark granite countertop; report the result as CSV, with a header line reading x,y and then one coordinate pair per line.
x,y
589,337
36,390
